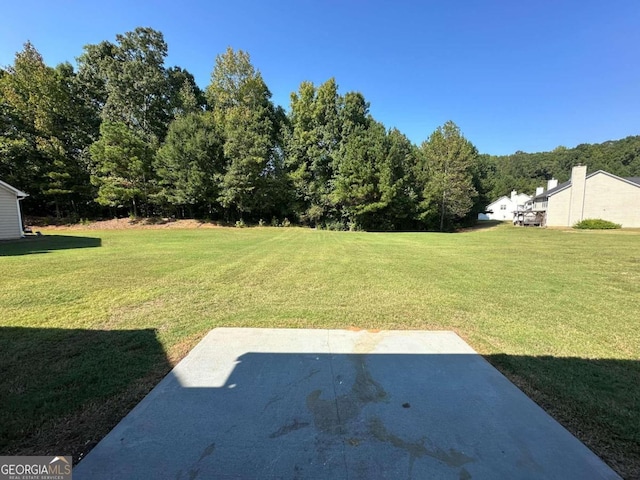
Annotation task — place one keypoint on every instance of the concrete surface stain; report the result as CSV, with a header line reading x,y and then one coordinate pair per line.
x,y
453,458
331,416
193,473
207,451
272,400
285,429
306,377
464,474
311,374
367,343
526,460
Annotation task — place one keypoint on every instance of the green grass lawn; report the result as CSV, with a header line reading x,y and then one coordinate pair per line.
x,y
91,320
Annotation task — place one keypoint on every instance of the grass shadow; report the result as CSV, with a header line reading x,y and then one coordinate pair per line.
x,y
46,244
598,400
64,389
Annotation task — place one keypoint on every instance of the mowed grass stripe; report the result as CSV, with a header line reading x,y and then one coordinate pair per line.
x,y
557,311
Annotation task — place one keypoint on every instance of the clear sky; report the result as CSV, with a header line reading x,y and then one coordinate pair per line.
x,y
514,75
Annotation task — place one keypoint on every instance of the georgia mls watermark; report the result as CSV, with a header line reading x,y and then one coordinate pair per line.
x,y
35,468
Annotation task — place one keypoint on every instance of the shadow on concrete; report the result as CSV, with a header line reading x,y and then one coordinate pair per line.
x,y
45,244
64,389
357,416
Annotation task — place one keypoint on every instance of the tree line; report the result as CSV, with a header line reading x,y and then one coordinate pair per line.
x,y
125,135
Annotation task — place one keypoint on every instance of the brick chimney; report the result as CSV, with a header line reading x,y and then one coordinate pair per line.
x,y
576,200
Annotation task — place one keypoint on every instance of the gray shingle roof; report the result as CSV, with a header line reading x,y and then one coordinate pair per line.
x,y
561,186
553,190
635,180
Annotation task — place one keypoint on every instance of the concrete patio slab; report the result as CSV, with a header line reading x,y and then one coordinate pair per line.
x,y
337,404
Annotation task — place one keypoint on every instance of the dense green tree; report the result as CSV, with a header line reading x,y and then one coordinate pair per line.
x,y
312,144
359,187
136,83
190,164
312,147
131,87
121,167
374,186
400,181
184,95
446,174
42,133
301,143
251,126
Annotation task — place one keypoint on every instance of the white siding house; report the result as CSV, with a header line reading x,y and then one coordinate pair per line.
x,y
10,216
504,207
597,195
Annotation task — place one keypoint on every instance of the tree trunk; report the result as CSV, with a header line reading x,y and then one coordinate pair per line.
x,y
444,193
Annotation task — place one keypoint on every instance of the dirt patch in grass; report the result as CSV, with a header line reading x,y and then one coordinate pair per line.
x,y
125,224
484,225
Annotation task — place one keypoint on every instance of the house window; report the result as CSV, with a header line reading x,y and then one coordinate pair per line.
x,y
503,207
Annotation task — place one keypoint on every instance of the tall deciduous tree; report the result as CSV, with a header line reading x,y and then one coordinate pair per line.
x,y
41,132
184,95
241,103
131,89
446,173
136,83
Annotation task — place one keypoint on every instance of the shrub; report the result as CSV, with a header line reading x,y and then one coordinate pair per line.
x,y
261,223
286,222
334,225
240,224
596,224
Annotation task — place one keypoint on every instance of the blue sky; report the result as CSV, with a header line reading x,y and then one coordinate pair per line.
x,y
513,75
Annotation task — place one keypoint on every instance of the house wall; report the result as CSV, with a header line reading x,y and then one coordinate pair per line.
x,y
613,200
605,197
510,205
498,213
9,216
558,209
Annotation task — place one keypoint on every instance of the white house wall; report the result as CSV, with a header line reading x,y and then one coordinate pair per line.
x,y
558,209
510,207
9,216
499,214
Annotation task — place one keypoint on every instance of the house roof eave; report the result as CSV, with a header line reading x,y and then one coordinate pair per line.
x,y
19,193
